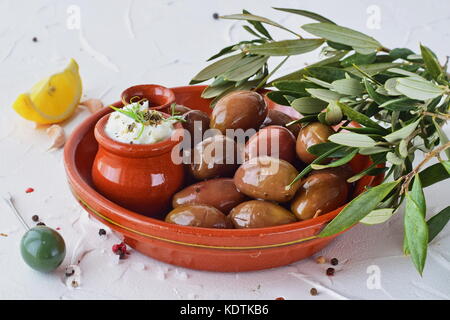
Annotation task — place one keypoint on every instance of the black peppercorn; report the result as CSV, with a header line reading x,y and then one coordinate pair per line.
x,y
35,39
215,15
40,224
330,272
102,232
313,292
35,218
334,262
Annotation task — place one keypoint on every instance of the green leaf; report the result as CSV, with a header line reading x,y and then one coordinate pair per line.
x,y
308,105
212,92
319,83
401,133
321,148
371,170
360,118
222,52
378,216
298,86
352,140
359,41
358,208
258,26
446,165
217,68
324,94
437,223
351,87
371,69
434,174
286,47
416,229
394,159
400,53
372,150
251,31
400,104
378,98
327,74
245,68
251,17
280,96
307,14
337,163
417,88
359,59
431,63
301,72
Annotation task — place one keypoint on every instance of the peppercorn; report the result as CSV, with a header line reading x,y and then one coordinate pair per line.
x,y
69,271
313,292
334,262
330,272
35,39
40,224
215,15
320,260
102,232
35,218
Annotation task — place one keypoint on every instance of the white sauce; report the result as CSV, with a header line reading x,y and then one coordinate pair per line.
x,y
119,125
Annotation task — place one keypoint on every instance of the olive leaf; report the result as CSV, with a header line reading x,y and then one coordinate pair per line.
x,y
442,137
371,69
321,148
434,173
378,216
369,171
358,208
324,94
258,26
360,118
401,133
307,14
346,159
327,73
437,223
400,53
319,83
417,88
217,68
372,150
286,47
431,63
245,68
298,86
416,228
359,59
352,140
351,87
359,41
308,105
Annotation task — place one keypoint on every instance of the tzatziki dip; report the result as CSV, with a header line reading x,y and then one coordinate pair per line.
x,y
135,123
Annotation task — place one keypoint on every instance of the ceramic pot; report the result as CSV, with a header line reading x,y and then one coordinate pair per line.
x,y
160,98
140,177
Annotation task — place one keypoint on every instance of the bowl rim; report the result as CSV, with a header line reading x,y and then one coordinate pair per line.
x,y
87,194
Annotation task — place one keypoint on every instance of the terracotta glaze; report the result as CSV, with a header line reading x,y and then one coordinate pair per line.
x,y
140,177
228,250
160,98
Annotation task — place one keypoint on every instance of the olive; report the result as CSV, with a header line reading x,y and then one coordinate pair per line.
x,y
180,109
219,193
272,141
279,118
260,214
196,122
344,172
314,133
198,216
216,156
267,178
42,248
239,110
320,192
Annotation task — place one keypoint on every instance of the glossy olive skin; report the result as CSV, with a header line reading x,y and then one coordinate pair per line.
x,y
42,248
272,141
239,110
278,118
260,214
220,193
198,216
321,192
344,172
179,109
267,178
313,133
196,123
207,163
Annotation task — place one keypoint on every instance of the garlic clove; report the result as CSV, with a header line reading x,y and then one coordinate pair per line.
x,y
56,132
93,105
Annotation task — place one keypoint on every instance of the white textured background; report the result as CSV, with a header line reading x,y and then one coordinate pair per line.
x,y
122,43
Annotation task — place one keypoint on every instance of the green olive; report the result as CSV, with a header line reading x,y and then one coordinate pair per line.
x,y
42,248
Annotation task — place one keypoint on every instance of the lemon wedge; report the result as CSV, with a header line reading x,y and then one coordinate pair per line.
x,y
53,99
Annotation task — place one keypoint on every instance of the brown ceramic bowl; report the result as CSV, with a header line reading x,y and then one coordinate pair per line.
x,y
229,250
159,97
140,177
